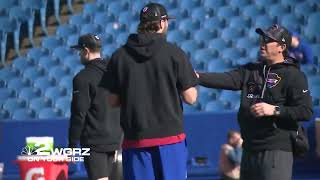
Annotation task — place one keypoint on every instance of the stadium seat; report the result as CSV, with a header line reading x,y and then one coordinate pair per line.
x,y
219,65
76,69
115,28
60,53
56,73
204,98
134,26
213,23
6,5
312,29
53,93
137,6
19,64
316,50
7,25
277,11
231,97
251,11
203,35
5,94
38,5
291,22
23,114
254,53
313,80
245,43
117,6
239,3
91,8
215,106
303,9
64,105
263,21
7,73
66,83
42,83
28,93
189,46
226,12
218,44
232,54
201,13
72,40
176,36
17,84
127,18
230,34
209,4
107,50
122,39
187,25
32,73
78,20
90,28
189,108
47,62
102,18
315,91
56,4
309,69
66,30
239,22
205,55
178,13
48,113
51,42
11,104
71,61
289,3
242,61
188,5
35,54
38,103
264,3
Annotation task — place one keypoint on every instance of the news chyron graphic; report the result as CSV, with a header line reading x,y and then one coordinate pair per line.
x,y
40,150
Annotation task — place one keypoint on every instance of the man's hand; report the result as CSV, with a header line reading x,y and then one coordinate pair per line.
x,y
262,109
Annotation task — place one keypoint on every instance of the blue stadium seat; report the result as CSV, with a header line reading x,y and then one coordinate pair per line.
x,y
189,46
245,43
188,5
313,80
38,103
107,50
48,113
35,54
17,84
76,69
254,53
38,5
63,104
209,4
311,31
263,21
264,3
115,28
213,23
239,22
7,73
218,44
102,18
215,106
66,83
72,40
78,20
204,35
253,36
19,64
42,83
239,3
176,36
4,115
291,22
205,55
303,9
51,42
277,11
6,5
56,73
127,18
23,114
204,98
92,8
133,27
122,38
309,69
230,34
71,61
187,25
28,93
5,94
289,3
32,73
243,61
189,108
12,104
56,4
60,53
7,25
66,30
232,54
90,28
219,65
178,13
201,13
316,50
47,62
315,91
117,6
53,93
137,6
231,97
251,11
226,12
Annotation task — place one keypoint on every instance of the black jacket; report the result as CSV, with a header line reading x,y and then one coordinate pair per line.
x,y
280,84
149,74
93,121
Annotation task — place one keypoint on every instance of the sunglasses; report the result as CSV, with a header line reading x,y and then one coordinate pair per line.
x,y
266,40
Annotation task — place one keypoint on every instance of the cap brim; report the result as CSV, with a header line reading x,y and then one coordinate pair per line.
x,y
265,33
76,47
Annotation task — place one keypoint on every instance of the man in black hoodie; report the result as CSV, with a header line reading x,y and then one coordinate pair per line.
x,y
149,76
274,98
92,121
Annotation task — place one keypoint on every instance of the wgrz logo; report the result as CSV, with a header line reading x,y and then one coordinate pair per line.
x,y
42,152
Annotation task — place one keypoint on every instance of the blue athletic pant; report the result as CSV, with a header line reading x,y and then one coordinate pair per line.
x,y
166,162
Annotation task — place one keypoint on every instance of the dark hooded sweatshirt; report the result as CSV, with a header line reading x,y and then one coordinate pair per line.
x,y
281,84
149,74
93,121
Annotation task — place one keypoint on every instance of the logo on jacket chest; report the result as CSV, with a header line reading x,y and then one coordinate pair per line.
x,y
273,80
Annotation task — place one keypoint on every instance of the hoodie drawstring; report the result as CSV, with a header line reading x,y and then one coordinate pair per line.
x,y
265,80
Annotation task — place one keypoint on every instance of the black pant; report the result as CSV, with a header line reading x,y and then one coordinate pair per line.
x,y
99,164
266,165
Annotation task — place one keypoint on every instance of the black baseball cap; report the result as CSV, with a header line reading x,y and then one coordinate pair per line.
x,y
277,33
154,12
89,41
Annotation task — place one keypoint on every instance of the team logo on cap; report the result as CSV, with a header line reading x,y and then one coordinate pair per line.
x,y
145,9
97,37
283,40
